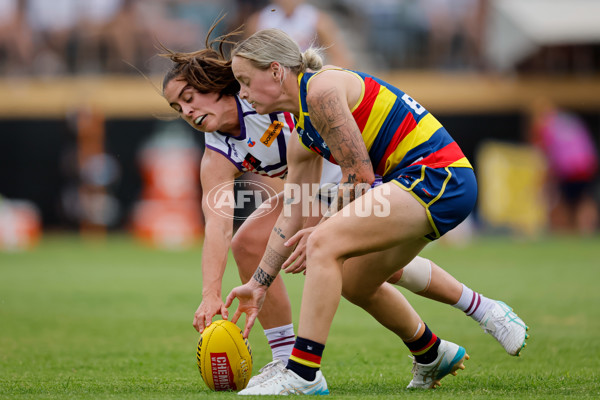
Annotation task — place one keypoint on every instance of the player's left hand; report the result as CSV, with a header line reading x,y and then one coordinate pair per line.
x,y
251,297
296,262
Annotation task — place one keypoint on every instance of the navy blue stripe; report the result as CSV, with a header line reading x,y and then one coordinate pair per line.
x,y
238,165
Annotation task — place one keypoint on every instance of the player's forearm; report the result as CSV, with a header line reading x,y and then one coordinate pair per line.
x,y
276,252
217,241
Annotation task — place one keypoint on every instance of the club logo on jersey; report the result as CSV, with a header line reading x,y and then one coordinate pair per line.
x,y
251,163
250,142
270,134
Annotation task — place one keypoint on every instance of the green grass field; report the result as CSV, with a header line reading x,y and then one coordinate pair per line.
x,y
113,320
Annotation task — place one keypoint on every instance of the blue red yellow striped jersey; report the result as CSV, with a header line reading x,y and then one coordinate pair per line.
x,y
397,131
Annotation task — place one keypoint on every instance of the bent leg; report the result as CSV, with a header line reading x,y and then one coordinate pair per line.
x,y
425,278
386,304
356,232
248,246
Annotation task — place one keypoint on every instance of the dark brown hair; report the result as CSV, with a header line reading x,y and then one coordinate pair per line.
x,y
207,70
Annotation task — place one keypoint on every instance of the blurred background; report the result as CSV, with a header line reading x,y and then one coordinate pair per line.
x,y
88,145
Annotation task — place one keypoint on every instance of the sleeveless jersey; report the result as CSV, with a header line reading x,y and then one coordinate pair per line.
x,y
397,131
262,144
301,25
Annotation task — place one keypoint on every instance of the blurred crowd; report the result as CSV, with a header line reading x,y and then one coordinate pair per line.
x,y
94,37
438,34
60,37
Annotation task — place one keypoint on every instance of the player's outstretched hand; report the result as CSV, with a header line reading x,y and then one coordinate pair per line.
x,y
251,297
296,262
208,308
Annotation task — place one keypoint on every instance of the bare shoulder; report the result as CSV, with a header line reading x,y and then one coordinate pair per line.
x,y
333,79
332,75
216,167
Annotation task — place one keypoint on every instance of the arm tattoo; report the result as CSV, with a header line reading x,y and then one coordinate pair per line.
x,y
346,195
279,232
288,200
345,141
263,278
273,259
330,116
329,108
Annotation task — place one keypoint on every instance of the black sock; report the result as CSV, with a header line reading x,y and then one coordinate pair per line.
x,y
424,349
305,360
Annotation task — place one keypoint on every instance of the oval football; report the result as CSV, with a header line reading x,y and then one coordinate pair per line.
x,y
224,357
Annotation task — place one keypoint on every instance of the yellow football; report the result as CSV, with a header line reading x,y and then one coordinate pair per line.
x,y
224,357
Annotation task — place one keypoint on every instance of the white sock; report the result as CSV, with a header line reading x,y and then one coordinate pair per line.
x,y
281,339
473,304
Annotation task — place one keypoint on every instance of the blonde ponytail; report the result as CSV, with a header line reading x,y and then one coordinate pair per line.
x,y
274,45
312,59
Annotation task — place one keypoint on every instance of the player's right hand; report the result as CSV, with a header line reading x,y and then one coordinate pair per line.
x,y
251,297
210,306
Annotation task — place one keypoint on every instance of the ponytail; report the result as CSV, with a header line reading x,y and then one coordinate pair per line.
x,y
312,59
274,45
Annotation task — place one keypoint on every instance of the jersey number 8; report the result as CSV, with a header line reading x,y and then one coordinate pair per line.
x,y
419,109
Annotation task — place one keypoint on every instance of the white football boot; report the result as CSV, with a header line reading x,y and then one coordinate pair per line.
x,y
266,372
286,382
506,327
450,358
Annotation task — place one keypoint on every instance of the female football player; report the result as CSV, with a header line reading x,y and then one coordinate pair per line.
x,y
201,87
369,128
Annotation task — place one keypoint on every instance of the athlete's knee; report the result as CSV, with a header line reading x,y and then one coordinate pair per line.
x,y
246,255
327,241
357,294
416,276
321,256
354,295
316,246
356,290
240,246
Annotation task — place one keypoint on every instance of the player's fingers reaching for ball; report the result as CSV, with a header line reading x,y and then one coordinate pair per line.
x,y
224,312
210,306
236,315
230,297
201,320
250,319
251,297
197,325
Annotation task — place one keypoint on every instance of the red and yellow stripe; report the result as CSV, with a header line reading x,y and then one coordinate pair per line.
x,y
374,108
424,349
448,156
304,358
